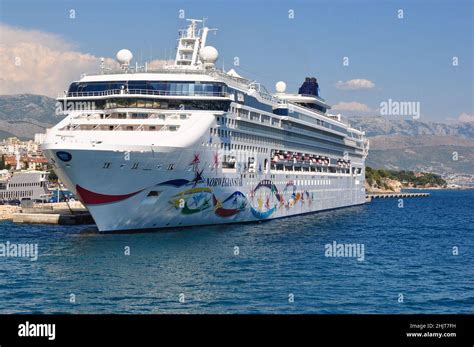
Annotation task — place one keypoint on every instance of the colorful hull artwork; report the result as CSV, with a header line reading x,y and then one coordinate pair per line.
x,y
262,201
195,200
265,199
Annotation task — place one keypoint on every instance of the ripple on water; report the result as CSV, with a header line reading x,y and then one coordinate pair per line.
x,y
407,251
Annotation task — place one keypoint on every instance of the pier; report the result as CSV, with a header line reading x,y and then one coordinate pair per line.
x,y
52,218
55,213
396,195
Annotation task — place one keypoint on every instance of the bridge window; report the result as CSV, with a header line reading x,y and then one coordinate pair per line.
x,y
153,87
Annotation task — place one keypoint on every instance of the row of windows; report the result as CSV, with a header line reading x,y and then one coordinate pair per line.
x,y
256,117
237,136
321,182
243,113
133,115
224,133
168,104
27,184
171,166
121,127
330,169
347,192
301,130
16,194
138,165
229,122
176,88
234,146
315,121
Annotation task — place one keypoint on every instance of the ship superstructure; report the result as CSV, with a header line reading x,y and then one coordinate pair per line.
x,y
190,144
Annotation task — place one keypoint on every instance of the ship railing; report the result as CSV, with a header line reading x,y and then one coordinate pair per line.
x,y
170,69
173,69
285,102
307,95
113,92
269,97
215,73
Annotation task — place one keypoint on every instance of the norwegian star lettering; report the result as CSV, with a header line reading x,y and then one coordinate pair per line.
x,y
224,182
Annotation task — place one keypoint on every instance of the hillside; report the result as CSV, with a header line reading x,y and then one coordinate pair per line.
x,y
377,125
24,115
382,181
419,146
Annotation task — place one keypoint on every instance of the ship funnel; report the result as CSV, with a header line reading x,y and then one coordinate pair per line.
x,y
309,87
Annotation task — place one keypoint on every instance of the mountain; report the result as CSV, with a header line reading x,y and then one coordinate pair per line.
x,y
377,125
417,145
24,115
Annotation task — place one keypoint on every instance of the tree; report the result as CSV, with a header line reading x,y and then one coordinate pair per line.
x,y
52,176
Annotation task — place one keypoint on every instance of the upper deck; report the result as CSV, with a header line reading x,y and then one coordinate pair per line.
x,y
191,83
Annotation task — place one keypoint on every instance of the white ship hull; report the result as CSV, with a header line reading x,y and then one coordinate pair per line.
x,y
195,193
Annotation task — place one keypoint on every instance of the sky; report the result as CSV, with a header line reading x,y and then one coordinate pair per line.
x,y
364,53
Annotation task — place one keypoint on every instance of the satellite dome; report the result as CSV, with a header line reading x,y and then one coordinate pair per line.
x,y
124,57
280,87
209,55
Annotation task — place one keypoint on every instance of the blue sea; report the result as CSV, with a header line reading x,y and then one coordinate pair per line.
x,y
278,266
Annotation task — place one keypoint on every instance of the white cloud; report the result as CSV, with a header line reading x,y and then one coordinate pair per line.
x,y
42,63
157,64
355,84
351,106
466,118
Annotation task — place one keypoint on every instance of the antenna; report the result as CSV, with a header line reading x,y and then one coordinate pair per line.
x,y
191,50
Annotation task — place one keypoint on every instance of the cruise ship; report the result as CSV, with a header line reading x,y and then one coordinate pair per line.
x,y
191,144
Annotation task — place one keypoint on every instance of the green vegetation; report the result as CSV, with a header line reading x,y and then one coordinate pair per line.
x,y
3,165
407,178
52,175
